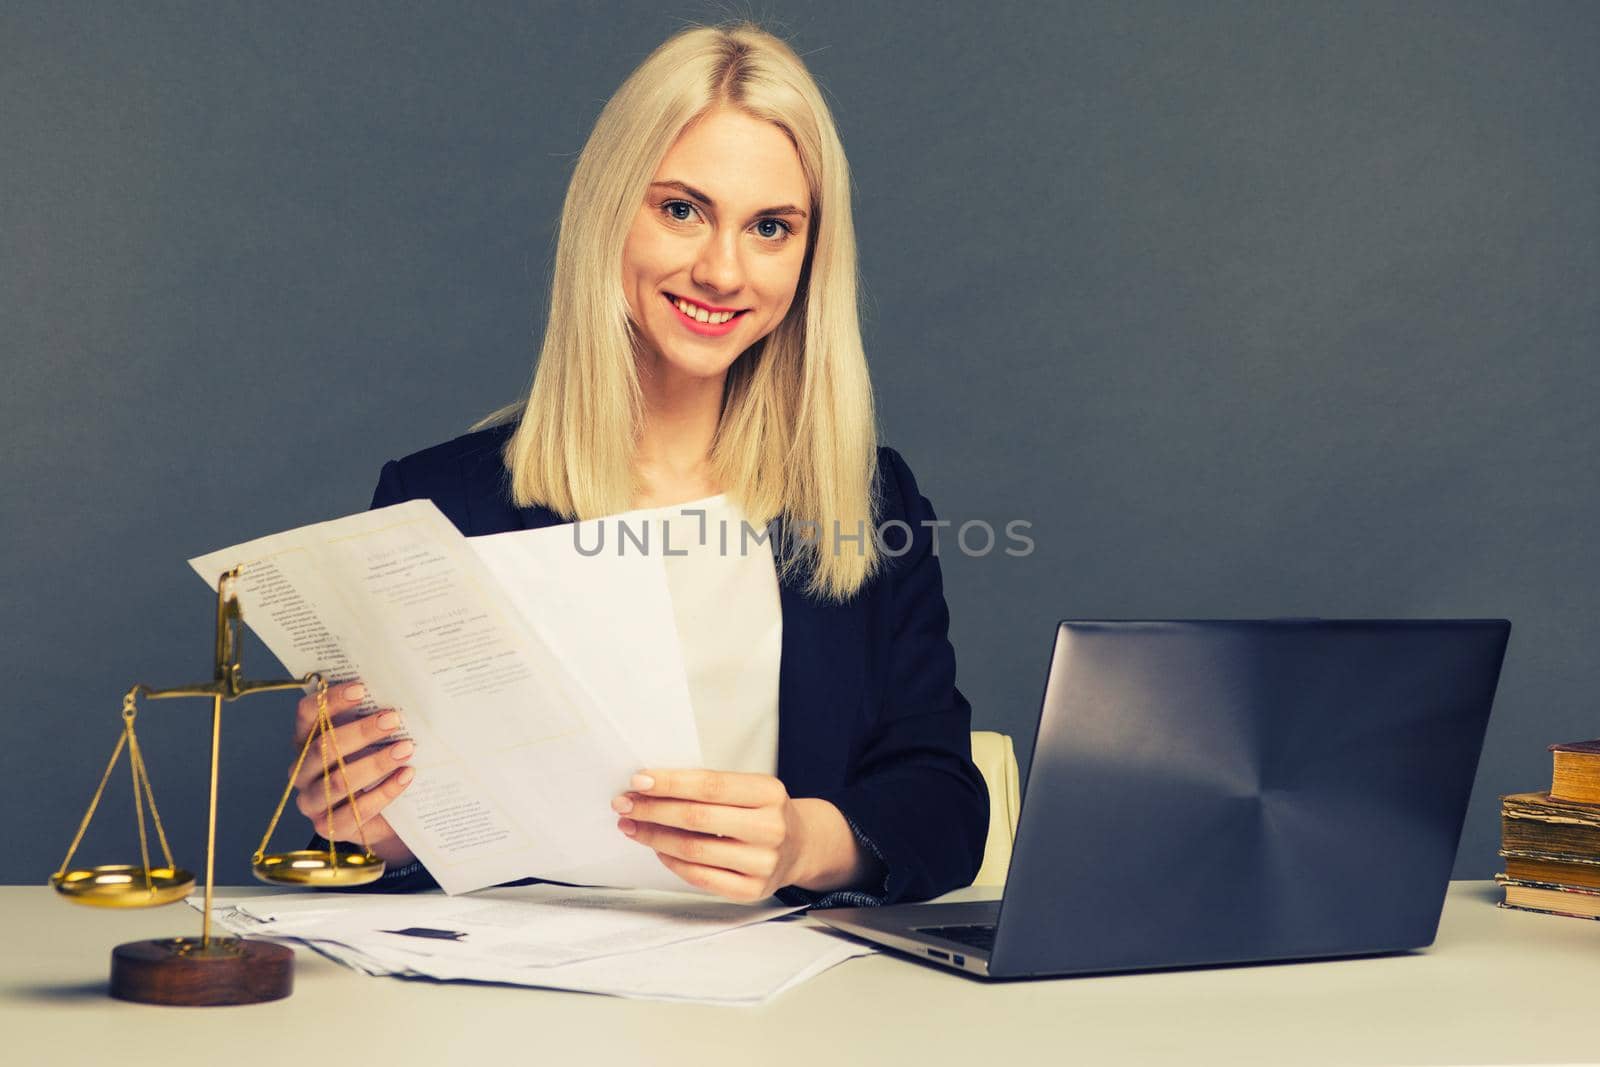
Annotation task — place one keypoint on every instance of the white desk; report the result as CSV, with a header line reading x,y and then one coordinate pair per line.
x,y
1497,987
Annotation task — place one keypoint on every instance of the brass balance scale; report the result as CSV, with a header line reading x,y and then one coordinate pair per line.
x,y
211,970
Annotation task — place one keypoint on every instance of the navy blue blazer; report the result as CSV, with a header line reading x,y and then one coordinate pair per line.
x,y
869,716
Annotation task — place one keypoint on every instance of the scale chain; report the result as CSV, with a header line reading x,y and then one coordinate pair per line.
x,y
93,803
137,754
322,732
142,791
272,824
138,806
344,772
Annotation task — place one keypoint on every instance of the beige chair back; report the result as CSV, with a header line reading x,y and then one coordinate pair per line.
x,y
997,759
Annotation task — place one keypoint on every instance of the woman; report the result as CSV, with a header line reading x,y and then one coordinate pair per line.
x,y
727,367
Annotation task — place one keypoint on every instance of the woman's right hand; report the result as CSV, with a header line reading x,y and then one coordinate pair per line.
x,y
376,777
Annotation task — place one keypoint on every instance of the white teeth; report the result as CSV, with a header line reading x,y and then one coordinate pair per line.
x,y
700,314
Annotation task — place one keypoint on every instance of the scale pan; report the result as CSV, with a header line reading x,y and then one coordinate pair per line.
x,y
122,885
309,867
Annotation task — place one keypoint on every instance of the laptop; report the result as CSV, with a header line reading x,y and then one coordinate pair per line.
x,y
1225,792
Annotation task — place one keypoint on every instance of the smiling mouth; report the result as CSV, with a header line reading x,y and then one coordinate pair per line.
x,y
700,315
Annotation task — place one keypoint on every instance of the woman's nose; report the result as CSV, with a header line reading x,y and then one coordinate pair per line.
x,y
717,268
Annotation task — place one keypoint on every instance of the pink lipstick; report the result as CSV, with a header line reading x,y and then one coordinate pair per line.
x,y
704,329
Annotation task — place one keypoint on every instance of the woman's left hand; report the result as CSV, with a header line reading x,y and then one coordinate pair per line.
x,y
737,835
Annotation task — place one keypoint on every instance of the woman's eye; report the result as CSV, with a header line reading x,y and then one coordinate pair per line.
x,y
671,208
781,230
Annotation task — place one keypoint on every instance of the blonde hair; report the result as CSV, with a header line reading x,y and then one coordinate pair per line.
x,y
797,435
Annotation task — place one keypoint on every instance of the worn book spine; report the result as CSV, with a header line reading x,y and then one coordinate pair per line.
x,y
1550,898
1524,836
1546,911
1592,895
1533,822
1544,807
1560,870
1575,771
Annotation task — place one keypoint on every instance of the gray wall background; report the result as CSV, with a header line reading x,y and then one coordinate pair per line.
x,y
1252,309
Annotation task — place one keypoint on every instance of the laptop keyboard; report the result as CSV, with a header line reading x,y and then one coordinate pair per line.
x,y
977,935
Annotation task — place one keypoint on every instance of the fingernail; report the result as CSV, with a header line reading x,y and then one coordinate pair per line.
x,y
389,720
642,781
621,804
402,750
355,691
407,774
627,826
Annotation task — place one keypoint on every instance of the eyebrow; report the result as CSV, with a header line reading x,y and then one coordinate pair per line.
x,y
689,190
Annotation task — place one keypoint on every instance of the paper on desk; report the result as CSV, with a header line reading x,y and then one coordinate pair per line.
x,y
515,926
715,963
748,965
518,754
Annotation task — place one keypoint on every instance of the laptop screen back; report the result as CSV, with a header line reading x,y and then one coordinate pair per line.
x,y
1211,792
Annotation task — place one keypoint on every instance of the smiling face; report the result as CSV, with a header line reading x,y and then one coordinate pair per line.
x,y
713,257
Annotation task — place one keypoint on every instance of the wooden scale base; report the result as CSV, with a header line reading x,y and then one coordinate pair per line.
x,y
179,971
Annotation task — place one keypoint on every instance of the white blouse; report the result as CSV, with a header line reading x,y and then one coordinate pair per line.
x,y
724,588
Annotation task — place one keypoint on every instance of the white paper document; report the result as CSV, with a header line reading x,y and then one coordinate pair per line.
x,y
534,680
631,943
746,965
524,926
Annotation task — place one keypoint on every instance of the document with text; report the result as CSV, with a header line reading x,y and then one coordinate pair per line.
x,y
524,926
533,679
628,943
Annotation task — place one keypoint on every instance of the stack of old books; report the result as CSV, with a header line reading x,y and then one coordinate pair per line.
x,y
1551,841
